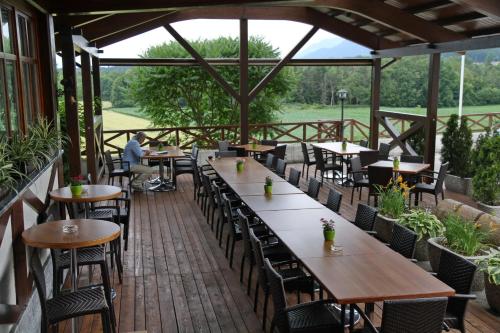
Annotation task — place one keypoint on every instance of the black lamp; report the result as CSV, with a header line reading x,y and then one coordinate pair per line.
x,y
342,95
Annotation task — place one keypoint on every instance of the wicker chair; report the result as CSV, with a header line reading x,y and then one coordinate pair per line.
x,y
383,151
365,217
334,200
226,153
294,278
322,164
240,151
308,161
261,157
223,145
294,177
280,167
211,202
311,317
410,316
403,241
359,180
113,171
270,161
368,157
412,159
269,143
183,166
280,151
313,188
363,143
378,177
435,188
457,273
87,301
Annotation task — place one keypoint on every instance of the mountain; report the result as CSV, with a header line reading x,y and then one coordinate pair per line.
x,y
333,48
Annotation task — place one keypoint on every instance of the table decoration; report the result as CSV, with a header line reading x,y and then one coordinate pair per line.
x,y
77,186
268,186
240,164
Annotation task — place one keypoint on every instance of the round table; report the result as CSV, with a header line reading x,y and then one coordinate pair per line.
x,y
50,235
91,193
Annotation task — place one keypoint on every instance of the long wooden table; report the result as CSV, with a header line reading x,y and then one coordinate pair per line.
x,y
365,271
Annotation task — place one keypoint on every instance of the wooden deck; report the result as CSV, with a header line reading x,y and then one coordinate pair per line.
x,y
177,279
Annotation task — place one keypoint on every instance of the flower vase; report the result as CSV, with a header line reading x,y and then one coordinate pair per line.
x,y
395,164
268,189
254,145
239,167
76,190
344,145
329,235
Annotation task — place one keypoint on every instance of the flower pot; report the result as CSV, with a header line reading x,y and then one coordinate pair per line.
x,y
239,167
492,210
395,164
344,146
492,294
76,190
383,226
268,189
435,246
329,235
254,145
458,184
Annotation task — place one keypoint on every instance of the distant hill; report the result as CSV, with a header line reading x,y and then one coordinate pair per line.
x,y
333,48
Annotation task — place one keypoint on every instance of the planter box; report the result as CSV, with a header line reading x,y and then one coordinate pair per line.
x,y
383,226
435,247
492,294
493,210
458,184
422,250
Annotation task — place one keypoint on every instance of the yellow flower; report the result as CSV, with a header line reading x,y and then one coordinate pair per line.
x,y
400,179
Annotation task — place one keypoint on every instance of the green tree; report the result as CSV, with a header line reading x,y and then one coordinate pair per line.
x,y
188,95
120,91
457,147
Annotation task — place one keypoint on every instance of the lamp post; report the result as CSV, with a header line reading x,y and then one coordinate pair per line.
x,y
342,95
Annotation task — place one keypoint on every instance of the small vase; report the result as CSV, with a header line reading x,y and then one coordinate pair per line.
x,y
344,145
329,235
254,145
239,167
268,189
395,164
76,190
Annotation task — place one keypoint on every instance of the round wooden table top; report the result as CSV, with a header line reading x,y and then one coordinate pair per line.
x,y
91,193
50,235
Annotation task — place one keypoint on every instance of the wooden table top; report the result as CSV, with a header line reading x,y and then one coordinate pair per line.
x,y
91,193
167,152
252,172
50,235
336,147
257,149
280,202
404,167
258,188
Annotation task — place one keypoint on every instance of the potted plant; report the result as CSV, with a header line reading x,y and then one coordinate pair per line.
x,y
462,237
240,164
344,145
9,176
47,138
76,186
395,163
254,144
328,229
490,265
268,186
391,205
25,153
456,150
486,181
425,225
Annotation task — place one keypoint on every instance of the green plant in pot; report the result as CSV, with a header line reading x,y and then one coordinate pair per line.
x,y
25,153
328,229
47,138
425,225
240,165
391,205
76,186
9,176
268,186
490,265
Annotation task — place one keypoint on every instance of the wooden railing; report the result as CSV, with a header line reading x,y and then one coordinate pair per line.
x,y
317,131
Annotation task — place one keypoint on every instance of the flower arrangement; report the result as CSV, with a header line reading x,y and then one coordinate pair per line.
x,y
268,185
344,144
77,180
392,198
76,186
240,163
328,229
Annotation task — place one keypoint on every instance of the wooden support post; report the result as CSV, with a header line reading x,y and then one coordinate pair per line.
x,y
375,102
88,113
244,98
96,83
23,281
432,108
70,102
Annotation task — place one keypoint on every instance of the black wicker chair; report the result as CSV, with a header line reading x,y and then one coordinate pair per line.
x,y
270,161
368,157
365,217
363,143
261,157
334,200
269,142
240,151
383,151
403,241
378,176
359,180
311,317
322,164
294,278
226,153
409,316
280,167
122,171
308,161
458,273
294,177
280,151
435,188
223,145
87,301
313,188
412,159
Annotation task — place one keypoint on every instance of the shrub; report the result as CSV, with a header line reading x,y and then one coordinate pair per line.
x,y
486,162
491,265
457,147
424,223
463,236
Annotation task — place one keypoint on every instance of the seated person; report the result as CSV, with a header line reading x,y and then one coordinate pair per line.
x,y
133,154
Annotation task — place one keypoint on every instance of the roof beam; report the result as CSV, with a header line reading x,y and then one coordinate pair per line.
x,y
486,7
231,62
77,21
394,18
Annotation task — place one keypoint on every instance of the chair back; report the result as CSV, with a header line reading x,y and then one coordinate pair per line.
x,y
194,152
277,291
280,151
412,158
318,156
258,254
226,153
368,157
269,161
109,161
280,167
356,169
440,178
334,200
294,177
218,197
228,211
313,188
245,236
365,217
196,173
269,143
384,150
305,153
378,176
223,145
208,189
403,241
39,277
414,316
456,271
363,143
240,152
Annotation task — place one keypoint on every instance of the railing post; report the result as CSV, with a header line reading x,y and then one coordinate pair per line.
x,y
320,129
177,137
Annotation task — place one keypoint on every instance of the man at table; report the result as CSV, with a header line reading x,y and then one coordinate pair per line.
x,y
133,154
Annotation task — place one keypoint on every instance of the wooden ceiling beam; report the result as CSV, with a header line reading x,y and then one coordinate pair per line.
x,y
484,31
486,7
394,18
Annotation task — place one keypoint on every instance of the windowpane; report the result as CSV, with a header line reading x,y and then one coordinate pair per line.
x,y
10,76
3,111
6,31
27,93
24,31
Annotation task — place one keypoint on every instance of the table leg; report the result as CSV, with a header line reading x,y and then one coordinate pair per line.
x,y
74,283
164,184
342,315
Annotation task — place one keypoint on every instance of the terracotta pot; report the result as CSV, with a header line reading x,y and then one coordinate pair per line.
x,y
458,184
493,210
383,226
492,294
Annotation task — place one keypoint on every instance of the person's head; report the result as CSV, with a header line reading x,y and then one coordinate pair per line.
x,y
140,137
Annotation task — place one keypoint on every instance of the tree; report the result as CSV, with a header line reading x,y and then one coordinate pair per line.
x,y
457,146
188,95
120,91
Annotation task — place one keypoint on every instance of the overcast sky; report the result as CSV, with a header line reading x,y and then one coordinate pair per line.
x,y
281,34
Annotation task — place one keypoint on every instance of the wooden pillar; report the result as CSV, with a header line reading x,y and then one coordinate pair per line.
x,y
70,102
432,108
244,100
375,102
88,113
96,81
